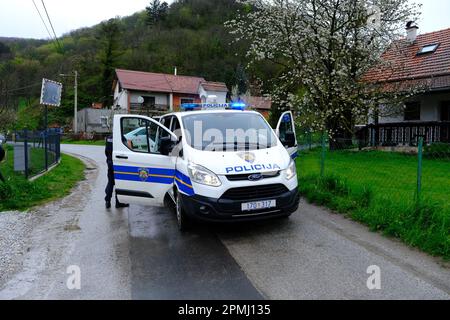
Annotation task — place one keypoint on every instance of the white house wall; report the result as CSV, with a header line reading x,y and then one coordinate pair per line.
x,y
430,108
203,94
221,96
120,98
160,98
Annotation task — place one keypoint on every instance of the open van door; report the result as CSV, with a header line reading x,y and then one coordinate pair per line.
x,y
144,169
286,132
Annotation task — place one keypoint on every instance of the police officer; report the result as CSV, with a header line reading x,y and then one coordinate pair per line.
x,y
2,156
111,182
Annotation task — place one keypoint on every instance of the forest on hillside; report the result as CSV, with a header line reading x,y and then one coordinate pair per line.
x,y
188,34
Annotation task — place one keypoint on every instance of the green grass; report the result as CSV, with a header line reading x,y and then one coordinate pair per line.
x,y
379,189
37,161
84,142
19,194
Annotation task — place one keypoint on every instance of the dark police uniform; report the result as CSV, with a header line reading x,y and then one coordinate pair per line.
x,y
111,181
2,156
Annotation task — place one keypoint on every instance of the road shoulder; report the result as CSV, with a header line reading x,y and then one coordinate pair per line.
x,y
34,242
318,254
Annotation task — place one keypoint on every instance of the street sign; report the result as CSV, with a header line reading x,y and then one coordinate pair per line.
x,y
51,93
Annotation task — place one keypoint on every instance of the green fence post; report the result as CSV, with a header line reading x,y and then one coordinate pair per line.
x,y
309,140
419,170
322,160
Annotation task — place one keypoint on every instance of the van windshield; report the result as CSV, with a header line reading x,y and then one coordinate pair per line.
x,y
228,131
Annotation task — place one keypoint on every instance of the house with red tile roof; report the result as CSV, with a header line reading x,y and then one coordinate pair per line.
x,y
137,92
261,104
420,61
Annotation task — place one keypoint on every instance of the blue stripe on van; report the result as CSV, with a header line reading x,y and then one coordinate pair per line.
x,y
155,175
153,171
137,178
184,183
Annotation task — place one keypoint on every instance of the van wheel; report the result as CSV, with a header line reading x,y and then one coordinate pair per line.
x,y
182,219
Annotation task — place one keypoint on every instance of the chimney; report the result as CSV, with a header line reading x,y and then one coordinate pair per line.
x,y
411,31
176,71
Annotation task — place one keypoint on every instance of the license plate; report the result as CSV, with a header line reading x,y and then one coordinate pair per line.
x,y
260,205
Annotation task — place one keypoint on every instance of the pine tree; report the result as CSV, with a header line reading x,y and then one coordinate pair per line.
x,y
156,12
109,36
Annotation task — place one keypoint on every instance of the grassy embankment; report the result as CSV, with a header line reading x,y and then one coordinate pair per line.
x,y
19,194
84,142
379,189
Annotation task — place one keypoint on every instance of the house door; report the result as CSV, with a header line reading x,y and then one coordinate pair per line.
x,y
445,117
149,105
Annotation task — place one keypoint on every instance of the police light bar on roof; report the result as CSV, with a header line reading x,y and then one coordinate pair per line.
x,y
213,106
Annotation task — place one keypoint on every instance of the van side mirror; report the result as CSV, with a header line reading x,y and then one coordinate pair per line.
x,y
289,139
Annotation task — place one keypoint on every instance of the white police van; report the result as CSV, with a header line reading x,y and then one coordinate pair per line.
x,y
248,175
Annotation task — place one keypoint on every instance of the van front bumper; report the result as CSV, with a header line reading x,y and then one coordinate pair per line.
x,y
221,210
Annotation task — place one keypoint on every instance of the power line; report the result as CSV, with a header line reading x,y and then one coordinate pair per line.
x,y
53,38
42,19
22,88
51,24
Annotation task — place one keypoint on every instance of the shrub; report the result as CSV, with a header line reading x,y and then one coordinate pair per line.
x,y
6,192
437,151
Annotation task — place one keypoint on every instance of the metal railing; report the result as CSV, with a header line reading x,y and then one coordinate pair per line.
x,y
149,110
404,134
36,151
400,190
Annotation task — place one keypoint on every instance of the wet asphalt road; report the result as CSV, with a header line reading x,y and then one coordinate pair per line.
x,y
167,264
138,253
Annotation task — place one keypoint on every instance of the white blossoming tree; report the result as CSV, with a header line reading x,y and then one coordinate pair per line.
x,y
324,48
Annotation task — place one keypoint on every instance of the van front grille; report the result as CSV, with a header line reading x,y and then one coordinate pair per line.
x,y
255,192
245,177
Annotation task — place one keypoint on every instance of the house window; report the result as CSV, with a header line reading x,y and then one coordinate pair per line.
x,y
187,100
445,111
149,102
428,49
412,111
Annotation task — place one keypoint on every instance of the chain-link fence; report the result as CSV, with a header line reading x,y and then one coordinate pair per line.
x,y
35,151
403,191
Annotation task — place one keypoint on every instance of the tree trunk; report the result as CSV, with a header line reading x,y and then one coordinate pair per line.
x,y
342,132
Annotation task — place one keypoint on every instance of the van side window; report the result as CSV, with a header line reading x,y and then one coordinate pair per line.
x,y
166,121
286,126
176,127
140,135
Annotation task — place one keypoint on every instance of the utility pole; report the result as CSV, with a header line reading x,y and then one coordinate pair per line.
x,y
75,109
75,119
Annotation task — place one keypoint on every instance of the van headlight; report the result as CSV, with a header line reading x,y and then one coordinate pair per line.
x,y
204,176
291,171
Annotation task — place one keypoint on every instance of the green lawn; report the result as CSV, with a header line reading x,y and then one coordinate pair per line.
x,y
37,161
379,189
85,142
20,194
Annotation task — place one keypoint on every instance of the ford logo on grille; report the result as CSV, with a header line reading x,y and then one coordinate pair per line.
x,y
255,177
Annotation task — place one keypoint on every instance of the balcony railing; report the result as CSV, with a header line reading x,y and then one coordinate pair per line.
x,y
149,110
405,133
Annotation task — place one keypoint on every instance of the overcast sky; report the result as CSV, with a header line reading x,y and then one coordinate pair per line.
x,y
18,18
